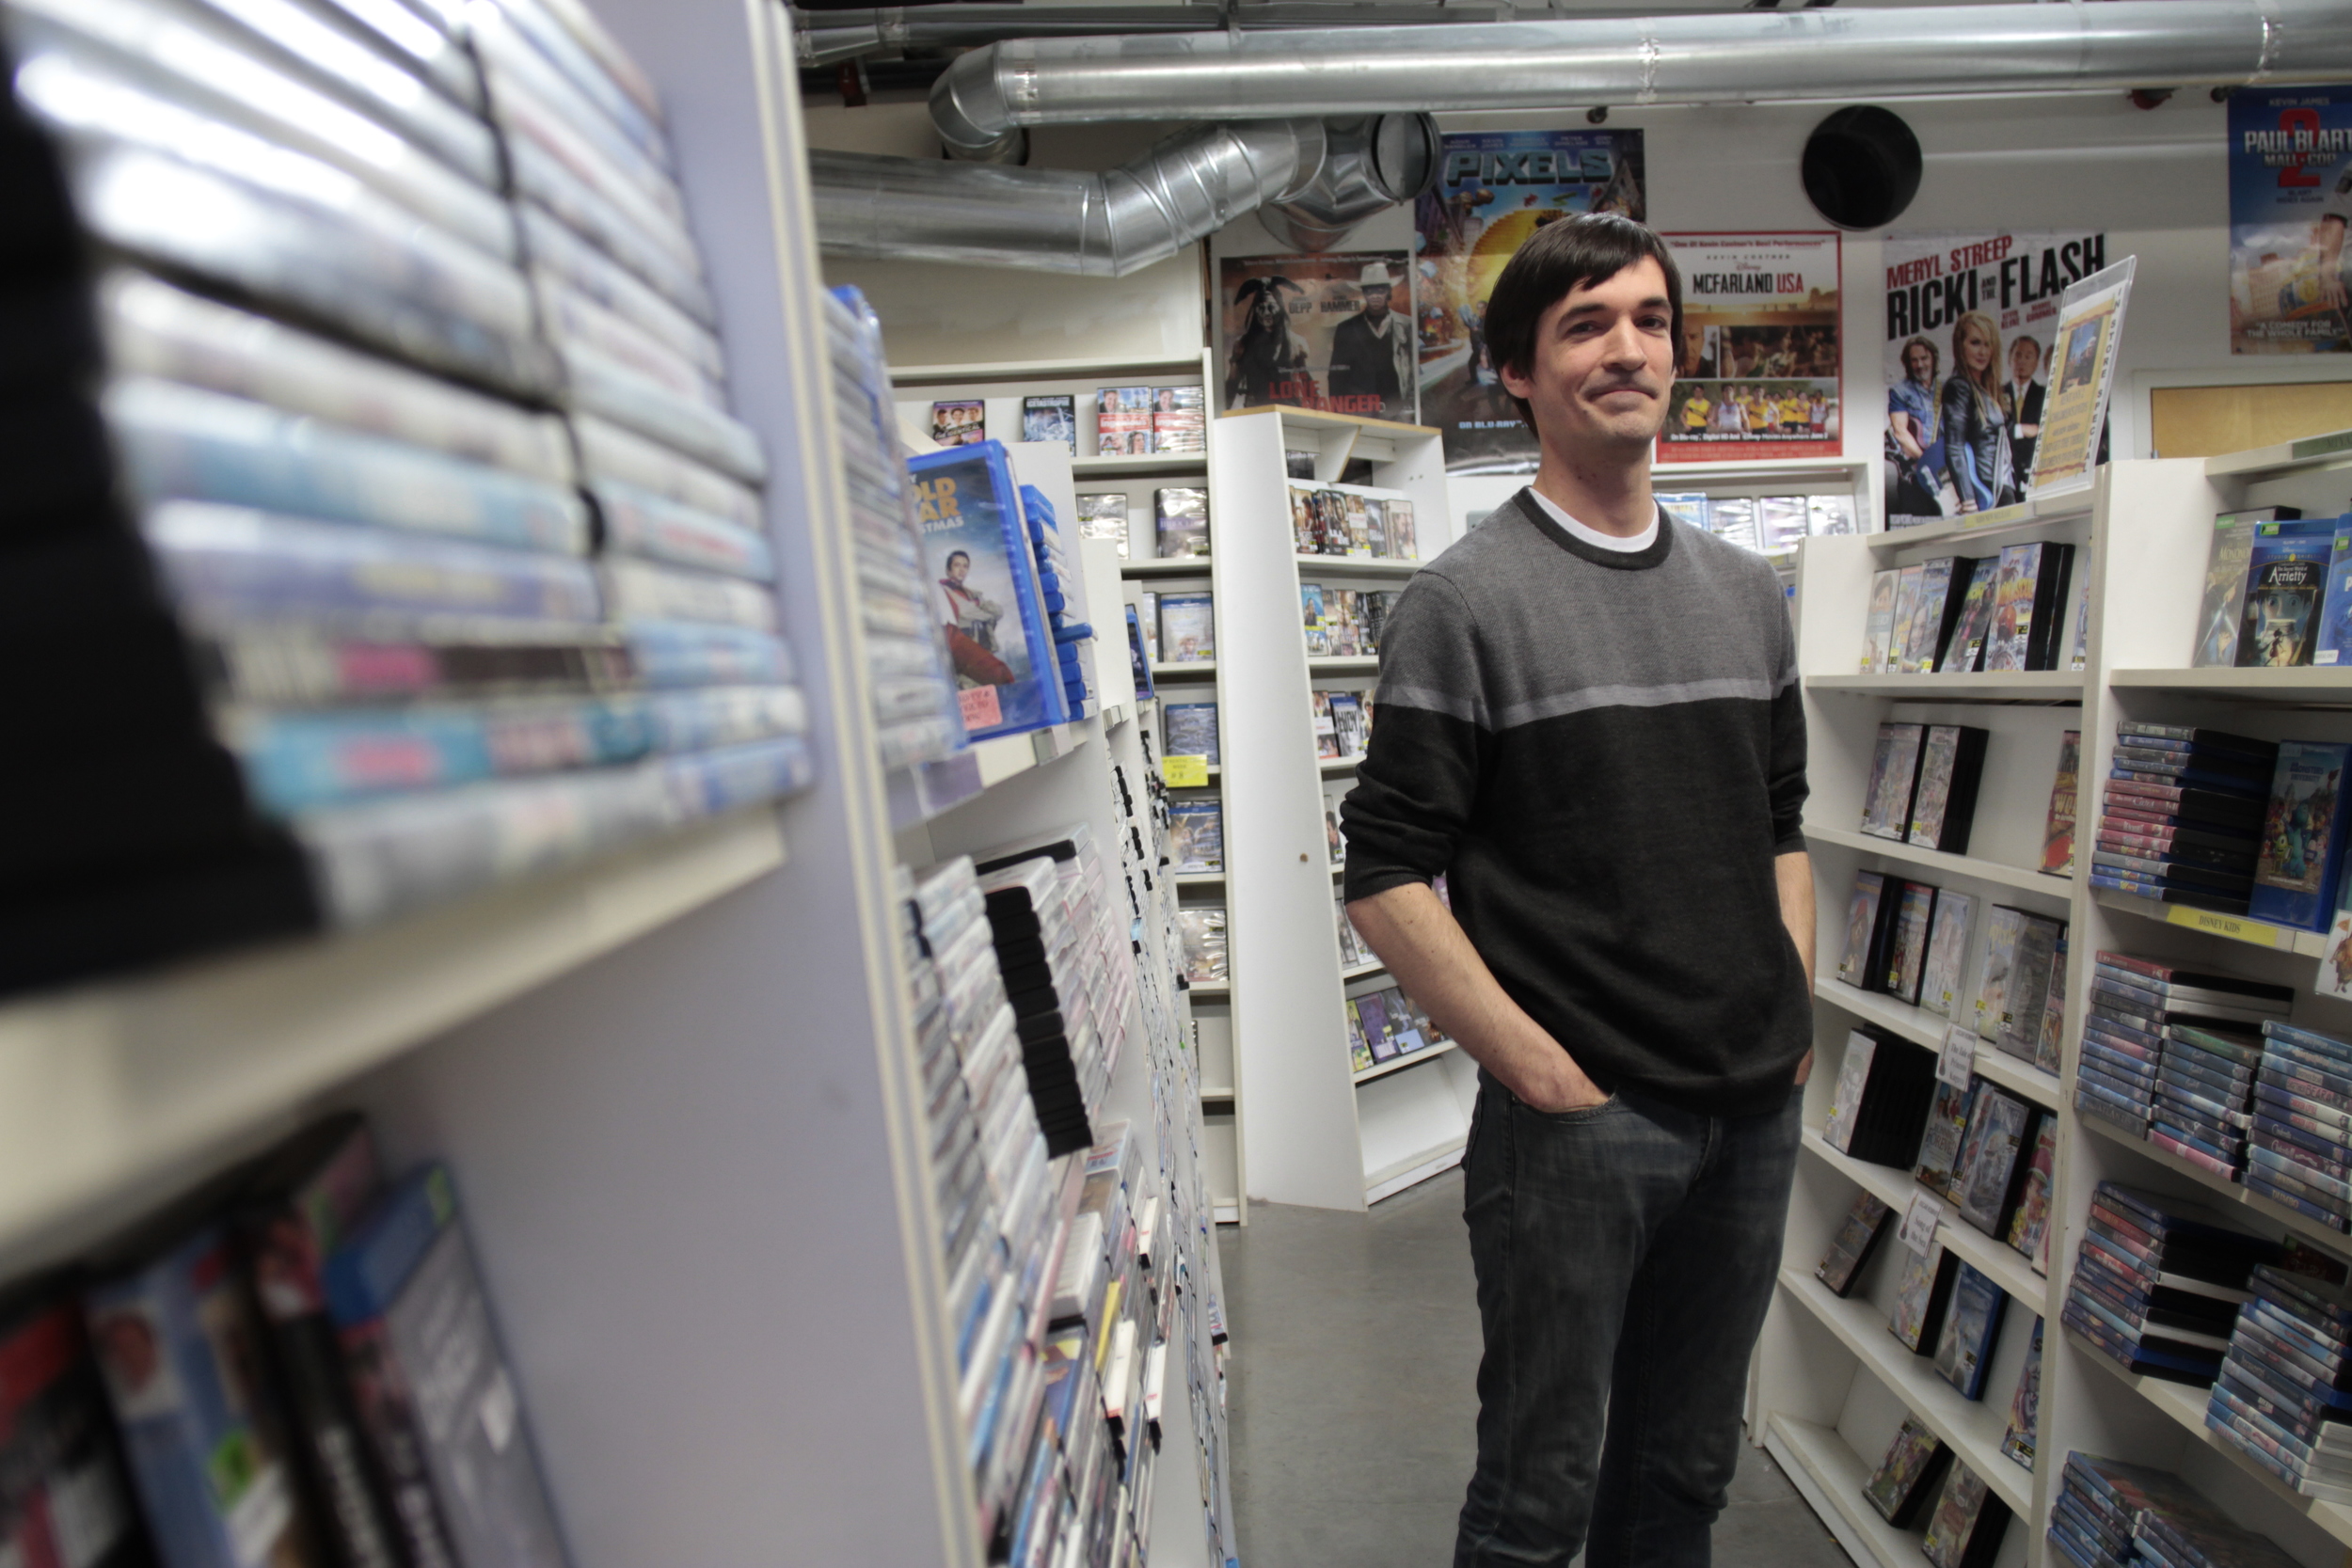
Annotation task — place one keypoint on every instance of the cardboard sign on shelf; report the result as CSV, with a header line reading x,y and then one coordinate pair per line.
x,y
1919,1223
1959,1056
2082,372
1185,772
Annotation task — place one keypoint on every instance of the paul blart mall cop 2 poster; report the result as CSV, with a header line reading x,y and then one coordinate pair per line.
x,y
2290,199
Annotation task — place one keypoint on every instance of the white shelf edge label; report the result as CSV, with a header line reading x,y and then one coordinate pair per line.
x,y
1959,1057
1919,1223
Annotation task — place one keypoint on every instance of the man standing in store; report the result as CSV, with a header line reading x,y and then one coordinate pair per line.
x,y
1371,352
1590,724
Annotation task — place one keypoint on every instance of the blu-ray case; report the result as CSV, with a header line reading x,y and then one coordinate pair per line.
x,y
978,555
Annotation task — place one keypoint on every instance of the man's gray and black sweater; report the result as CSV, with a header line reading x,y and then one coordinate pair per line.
x,y
1604,753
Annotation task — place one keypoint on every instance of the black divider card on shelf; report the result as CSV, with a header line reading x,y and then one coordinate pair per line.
x,y
1857,1239
1910,1475
1880,1106
1951,765
1887,799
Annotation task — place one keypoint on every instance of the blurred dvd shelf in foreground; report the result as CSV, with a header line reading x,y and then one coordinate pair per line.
x,y
388,536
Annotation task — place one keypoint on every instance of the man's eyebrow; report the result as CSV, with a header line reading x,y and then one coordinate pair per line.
x,y
1591,305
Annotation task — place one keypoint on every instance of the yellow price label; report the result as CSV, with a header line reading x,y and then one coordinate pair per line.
x,y
2260,933
1185,772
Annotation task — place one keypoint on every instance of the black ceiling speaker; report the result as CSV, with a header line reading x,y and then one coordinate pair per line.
x,y
1862,167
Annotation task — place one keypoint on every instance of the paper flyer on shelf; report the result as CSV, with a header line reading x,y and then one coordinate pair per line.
x,y
1332,332
1758,375
1494,189
2089,324
1970,319
2290,198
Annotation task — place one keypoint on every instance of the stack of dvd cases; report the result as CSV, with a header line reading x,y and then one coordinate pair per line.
x,y
1001,1276
2105,1511
917,717
2299,1151
314,540
2157,1283
2285,1390
2170,1056
1062,589
1068,974
2183,816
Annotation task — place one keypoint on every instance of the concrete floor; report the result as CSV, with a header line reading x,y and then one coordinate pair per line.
x,y
1353,1395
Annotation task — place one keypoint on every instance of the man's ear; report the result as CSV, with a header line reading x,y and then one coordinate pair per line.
x,y
1512,382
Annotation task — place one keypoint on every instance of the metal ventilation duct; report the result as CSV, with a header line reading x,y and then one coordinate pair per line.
x,y
1312,181
987,96
1105,225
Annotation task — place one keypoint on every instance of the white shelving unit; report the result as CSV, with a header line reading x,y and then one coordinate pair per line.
x,y
677,1085
1315,1133
1829,1383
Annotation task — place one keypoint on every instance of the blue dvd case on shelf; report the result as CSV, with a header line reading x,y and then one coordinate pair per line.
x,y
2302,842
983,574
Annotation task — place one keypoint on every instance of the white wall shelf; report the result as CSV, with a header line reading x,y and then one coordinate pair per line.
x,y
1353,565
2328,687
1170,463
1398,1063
2311,454
2264,1213
1669,476
1191,669
2185,1405
1312,1134
1831,1477
1962,535
1996,1260
2027,686
1363,971
1171,566
1922,1027
1113,372
1973,1428
2030,879
919,793
107,1091
2233,928
2147,527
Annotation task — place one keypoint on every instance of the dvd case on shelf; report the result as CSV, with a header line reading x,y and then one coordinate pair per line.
x,y
976,546
1181,517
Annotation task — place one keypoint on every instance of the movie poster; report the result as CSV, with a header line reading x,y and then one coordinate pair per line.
x,y
1494,189
1969,318
2290,198
1759,375
1331,332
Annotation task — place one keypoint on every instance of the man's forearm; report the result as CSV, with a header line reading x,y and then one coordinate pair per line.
x,y
1794,874
1425,948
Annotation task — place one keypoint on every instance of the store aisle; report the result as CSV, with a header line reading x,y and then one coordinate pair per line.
x,y
1353,1397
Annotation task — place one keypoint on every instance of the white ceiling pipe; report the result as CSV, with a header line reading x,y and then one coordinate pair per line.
x,y
989,96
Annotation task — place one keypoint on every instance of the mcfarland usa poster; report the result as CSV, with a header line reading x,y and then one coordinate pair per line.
x,y
1969,318
1759,370
1494,189
1332,332
2290,199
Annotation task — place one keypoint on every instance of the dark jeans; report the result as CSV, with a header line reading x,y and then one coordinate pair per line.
x,y
1626,1255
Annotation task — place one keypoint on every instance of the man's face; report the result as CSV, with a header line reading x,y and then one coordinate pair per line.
x,y
1918,363
958,569
1603,362
2024,355
1376,301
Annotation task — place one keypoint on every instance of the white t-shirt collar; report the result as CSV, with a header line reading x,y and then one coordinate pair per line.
x,y
1592,536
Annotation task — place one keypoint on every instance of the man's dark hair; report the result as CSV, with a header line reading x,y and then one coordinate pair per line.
x,y
1588,248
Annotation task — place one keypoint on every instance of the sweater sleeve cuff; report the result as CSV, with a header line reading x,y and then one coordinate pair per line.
x,y
1790,843
1377,878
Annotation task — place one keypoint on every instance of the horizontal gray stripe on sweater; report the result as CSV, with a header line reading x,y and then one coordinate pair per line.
x,y
1561,703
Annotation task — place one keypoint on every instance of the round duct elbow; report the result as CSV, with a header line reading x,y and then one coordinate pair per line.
x,y
967,104
1368,166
